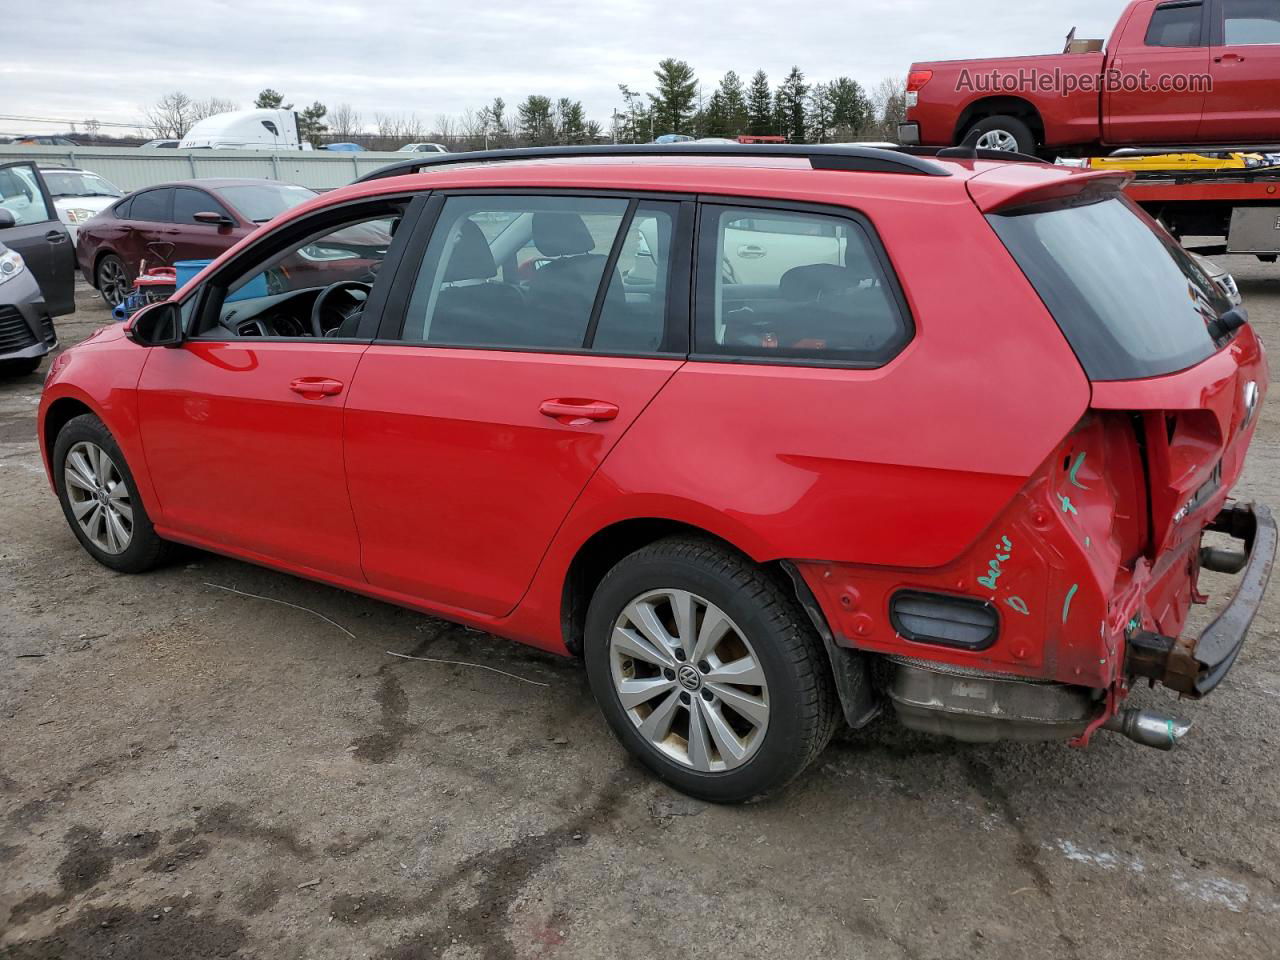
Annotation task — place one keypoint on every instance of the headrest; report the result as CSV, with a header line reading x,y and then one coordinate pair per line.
x,y
816,280
470,259
561,235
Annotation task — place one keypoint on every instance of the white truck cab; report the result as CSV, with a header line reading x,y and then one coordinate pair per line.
x,y
246,130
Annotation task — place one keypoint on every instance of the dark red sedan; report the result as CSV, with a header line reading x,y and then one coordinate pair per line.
x,y
186,220
773,437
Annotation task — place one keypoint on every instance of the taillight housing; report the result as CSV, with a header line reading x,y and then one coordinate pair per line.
x,y
917,79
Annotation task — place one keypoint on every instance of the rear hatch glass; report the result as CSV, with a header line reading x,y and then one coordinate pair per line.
x,y
1131,302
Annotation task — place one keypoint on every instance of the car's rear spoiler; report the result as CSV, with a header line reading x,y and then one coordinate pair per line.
x,y
1014,186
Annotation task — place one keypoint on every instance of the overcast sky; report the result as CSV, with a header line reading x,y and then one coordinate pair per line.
x,y
107,59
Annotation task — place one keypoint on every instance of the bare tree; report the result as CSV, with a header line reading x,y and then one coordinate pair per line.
x,y
209,107
169,118
888,107
345,122
92,128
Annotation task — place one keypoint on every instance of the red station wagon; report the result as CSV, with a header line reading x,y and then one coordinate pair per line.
x,y
771,436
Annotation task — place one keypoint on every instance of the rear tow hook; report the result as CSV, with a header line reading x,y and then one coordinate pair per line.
x,y
1148,728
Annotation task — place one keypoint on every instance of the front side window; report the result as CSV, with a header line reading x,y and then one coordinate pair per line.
x,y
1130,301
545,273
1250,22
1175,25
20,194
795,286
187,202
316,286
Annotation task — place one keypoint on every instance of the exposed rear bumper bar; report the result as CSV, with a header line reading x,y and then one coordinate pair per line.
x,y
1195,667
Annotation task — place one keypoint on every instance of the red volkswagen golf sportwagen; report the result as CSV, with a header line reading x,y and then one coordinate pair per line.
x,y
770,436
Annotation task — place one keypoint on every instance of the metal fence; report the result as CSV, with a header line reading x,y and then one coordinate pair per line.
x,y
131,168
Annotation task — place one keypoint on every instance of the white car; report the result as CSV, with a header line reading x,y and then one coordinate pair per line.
x,y
78,195
423,148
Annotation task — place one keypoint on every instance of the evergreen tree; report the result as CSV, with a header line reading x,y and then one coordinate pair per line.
x,y
760,106
672,105
536,127
714,119
819,118
791,101
571,122
736,117
270,99
851,112
311,125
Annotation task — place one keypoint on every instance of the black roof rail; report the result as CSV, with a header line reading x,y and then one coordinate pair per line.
x,y
963,152
820,157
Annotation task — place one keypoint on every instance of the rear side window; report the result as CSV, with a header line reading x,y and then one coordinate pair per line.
x,y
1130,301
151,205
545,273
1251,22
1175,25
782,285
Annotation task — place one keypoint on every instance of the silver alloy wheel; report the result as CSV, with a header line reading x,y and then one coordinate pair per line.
x,y
1001,140
113,283
99,497
689,680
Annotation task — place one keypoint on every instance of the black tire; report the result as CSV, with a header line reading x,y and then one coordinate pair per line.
x,y
803,705
111,277
145,549
1012,126
20,368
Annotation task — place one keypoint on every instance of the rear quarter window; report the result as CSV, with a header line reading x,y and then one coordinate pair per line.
x,y
795,286
1130,301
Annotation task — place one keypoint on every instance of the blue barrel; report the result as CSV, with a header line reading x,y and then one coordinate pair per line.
x,y
187,269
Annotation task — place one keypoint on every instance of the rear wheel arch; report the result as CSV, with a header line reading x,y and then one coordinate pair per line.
x,y
1024,110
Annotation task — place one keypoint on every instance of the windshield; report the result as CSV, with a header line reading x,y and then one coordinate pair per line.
x,y
1130,301
260,202
69,183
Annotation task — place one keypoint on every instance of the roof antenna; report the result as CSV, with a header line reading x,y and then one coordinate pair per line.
x,y
967,148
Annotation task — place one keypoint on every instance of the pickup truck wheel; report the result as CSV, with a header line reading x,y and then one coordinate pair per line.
x,y
1007,134
708,671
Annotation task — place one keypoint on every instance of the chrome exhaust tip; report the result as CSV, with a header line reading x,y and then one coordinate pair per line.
x,y
1148,728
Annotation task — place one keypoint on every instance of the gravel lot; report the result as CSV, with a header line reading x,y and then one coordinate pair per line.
x,y
189,773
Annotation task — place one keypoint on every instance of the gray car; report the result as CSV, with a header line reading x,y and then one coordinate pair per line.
x,y
37,268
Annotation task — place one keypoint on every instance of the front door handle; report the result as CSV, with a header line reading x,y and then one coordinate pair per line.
x,y
57,236
313,388
1229,58
574,412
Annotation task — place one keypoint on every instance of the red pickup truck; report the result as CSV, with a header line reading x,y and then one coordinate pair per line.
x,y
1174,72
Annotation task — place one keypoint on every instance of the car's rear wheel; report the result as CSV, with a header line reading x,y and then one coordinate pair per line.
x,y
1006,134
112,280
99,498
707,671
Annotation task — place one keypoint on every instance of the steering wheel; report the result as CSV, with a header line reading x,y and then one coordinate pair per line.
x,y
322,302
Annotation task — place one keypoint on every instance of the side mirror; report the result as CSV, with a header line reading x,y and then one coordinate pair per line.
x,y
156,325
7,219
216,219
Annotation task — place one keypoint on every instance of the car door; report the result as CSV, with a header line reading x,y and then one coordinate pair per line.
x,y
151,230
498,390
196,240
37,234
1243,104
242,423
1167,44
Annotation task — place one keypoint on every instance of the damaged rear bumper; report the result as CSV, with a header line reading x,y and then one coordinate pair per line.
x,y
1194,666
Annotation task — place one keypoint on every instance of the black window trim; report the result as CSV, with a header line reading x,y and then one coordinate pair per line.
x,y
1206,23
876,248
279,238
678,332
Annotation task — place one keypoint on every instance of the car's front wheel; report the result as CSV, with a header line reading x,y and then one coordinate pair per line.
x,y
707,670
99,498
112,280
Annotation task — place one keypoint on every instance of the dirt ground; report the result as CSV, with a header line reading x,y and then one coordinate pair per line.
x,y
190,773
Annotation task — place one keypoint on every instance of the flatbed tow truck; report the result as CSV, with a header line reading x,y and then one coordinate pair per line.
x,y
1230,197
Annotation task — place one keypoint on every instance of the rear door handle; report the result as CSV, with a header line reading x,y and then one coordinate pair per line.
x,y
574,411
313,388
